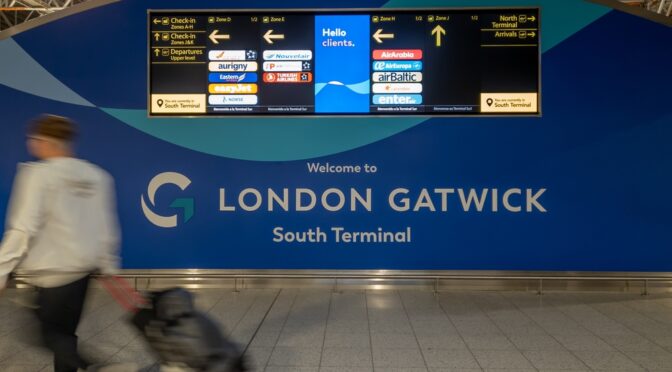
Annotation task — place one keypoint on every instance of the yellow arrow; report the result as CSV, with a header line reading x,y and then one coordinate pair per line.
x,y
532,18
156,51
157,21
157,36
379,36
532,34
268,36
214,36
438,31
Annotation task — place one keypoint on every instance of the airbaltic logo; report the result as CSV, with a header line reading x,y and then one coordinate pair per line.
x,y
186,204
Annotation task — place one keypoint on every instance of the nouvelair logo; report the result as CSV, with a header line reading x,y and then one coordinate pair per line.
x,y
186,204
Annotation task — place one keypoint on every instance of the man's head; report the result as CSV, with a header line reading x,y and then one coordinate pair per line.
x,y
51,136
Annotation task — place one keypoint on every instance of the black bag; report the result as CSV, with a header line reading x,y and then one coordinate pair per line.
x,y
181,335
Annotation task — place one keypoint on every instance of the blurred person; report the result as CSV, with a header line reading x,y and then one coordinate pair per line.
x,y
61,227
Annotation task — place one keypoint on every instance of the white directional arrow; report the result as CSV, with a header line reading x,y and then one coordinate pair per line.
x,y
214,36
268,36
379,36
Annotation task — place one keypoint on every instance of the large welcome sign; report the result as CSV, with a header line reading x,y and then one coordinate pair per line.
x,y
276,172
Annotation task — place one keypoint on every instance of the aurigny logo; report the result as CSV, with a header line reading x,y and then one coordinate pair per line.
x,y
186,204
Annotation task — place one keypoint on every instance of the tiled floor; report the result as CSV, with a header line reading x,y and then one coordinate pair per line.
x,y
408,330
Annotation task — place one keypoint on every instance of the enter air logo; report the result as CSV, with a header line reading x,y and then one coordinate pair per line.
x,y
186,204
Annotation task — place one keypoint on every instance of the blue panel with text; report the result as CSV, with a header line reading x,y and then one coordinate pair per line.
x,y
342,86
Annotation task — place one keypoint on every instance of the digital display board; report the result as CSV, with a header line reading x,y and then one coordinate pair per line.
x,y
480,61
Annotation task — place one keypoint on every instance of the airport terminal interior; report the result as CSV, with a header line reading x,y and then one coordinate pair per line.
x,y
341,186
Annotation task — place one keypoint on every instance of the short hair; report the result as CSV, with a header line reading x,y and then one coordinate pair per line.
x,y
53,126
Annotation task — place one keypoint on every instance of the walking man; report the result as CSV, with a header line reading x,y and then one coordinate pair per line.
x,y
61,227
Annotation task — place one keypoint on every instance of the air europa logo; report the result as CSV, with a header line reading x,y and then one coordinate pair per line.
x,y
186,204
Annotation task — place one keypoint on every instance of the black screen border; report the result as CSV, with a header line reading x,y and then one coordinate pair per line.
x,y
317,11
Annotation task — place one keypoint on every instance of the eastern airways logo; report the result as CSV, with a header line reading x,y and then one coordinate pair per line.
x,y
186,204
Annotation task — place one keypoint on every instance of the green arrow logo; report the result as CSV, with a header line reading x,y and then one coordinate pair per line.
x,y
187,205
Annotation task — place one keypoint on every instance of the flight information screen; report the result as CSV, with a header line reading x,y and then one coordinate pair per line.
x,y
373,62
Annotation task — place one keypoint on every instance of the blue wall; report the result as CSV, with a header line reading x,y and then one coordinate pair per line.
x,y
601,151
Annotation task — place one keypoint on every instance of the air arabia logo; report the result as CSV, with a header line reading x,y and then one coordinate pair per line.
x,y
186,204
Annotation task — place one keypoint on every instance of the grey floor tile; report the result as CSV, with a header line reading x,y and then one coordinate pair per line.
x,y
291,369
295,357
8,347
98,353
265,339
583,343
661,340
117,336
358,340
430,327
503,359
346,369
396,358
609,330
526,329
401,369
632,343
555,359
651,360
30,356
347,326
301,337
488,342
607,361
394,341
453,359
453,342
346,357
535,342
388,326
257,357
21,367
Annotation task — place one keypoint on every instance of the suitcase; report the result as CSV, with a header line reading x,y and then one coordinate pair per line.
x,y
182,337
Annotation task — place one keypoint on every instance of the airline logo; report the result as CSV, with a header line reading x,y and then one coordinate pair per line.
x,y
245,77
233,88
288,77
397,65
227,55
399,54
283,66
288,55
397,88
233,66
397,99
397,77
233,99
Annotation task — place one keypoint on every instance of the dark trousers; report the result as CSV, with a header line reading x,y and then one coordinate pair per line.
x,y
59,311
